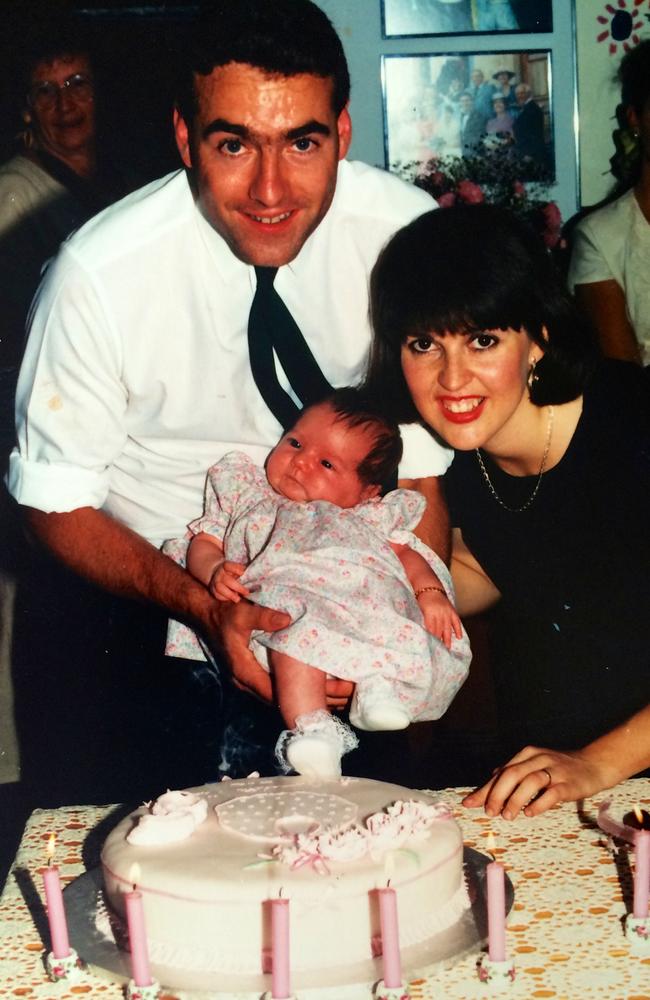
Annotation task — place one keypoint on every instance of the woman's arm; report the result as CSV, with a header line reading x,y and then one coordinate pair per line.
x,y
604,304
543,777
475,592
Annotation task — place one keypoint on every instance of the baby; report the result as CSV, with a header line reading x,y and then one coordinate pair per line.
x,y
310,535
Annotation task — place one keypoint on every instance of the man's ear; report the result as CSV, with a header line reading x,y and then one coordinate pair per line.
x,y
182,134
344,129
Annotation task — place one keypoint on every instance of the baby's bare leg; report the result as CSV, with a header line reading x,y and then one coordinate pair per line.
x,y
299,688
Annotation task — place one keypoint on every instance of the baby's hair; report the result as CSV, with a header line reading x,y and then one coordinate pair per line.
x,y
356,408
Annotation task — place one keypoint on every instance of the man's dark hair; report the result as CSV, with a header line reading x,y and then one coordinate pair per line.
x,y
356,408
634,74
470,268
286,37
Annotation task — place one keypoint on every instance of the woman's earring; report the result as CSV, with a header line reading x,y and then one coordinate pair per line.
x,y
532,377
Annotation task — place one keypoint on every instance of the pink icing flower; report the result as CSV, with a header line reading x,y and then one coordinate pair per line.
x,y
470,193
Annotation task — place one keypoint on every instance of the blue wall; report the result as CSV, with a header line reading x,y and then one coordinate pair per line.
x,y
359,25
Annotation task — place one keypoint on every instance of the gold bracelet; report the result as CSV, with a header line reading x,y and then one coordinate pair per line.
x,y
425,590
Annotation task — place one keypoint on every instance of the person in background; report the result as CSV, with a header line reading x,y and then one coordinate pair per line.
x,y
50,187
528,126
151,353
610,258
498,128
548,493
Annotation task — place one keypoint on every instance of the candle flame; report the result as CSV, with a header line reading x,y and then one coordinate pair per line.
x,y
492,844
51,847
134,874
638,813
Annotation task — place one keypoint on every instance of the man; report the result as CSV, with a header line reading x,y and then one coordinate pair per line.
x,y
472,126
481,92
138,375
528,127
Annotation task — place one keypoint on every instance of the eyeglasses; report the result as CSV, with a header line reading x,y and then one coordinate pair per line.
x,y
45,93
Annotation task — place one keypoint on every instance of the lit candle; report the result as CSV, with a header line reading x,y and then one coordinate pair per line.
x,y
137,935
55,908
280,968
496,904
641,873
392,966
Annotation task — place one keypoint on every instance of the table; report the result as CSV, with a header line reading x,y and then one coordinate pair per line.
x,y
564,931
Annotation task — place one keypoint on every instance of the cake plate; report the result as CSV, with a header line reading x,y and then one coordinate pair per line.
x,y
97,947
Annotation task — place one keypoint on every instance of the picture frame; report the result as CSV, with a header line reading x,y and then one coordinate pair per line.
x,y
482,111
418,18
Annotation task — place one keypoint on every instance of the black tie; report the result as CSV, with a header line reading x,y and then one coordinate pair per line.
x,y
271,325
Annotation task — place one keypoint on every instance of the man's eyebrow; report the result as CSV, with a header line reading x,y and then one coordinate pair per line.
x,y
233,128
308,129
223,125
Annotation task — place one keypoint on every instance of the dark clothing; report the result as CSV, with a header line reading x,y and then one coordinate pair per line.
x,y
570,642
528,129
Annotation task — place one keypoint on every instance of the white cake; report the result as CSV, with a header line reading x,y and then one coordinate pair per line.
x,y
324,846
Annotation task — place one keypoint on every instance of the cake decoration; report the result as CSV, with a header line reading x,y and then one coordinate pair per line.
x,y
383,832
172,817
69,967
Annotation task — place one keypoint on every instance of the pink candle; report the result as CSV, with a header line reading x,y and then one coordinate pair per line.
x,y
641,873
56,911
280,968
392,966
137,938
496,902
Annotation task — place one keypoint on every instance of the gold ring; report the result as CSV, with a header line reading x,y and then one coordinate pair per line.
x,y
550,777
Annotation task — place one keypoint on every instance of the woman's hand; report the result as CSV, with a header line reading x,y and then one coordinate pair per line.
x,y
536,779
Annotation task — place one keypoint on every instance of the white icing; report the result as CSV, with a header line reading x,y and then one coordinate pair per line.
x,y
174,816
206,898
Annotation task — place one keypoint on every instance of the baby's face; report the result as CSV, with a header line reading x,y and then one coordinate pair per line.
x,y
318,460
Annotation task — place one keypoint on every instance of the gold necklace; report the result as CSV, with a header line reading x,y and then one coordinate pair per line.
x,y
525,506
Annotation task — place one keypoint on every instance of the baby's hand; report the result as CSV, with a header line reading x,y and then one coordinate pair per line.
x,y
225,585
440,616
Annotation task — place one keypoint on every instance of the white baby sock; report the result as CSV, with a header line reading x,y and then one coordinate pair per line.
x,y
315,747
375,706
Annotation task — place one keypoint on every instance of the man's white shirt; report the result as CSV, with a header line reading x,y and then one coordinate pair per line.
x,y
136,377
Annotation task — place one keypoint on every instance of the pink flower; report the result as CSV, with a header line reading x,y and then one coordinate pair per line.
x,y
519,189
470,192
447,200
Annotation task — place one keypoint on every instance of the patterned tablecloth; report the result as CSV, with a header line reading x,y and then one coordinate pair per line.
x,y
564,931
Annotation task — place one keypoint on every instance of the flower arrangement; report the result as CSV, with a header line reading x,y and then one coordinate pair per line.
x,y
495,177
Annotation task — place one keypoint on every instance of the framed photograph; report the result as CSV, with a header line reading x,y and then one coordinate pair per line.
x,y
487,111
404,18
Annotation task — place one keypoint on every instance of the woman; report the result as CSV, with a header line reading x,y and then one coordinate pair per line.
x,y
499,128
611,252
548,492
49,188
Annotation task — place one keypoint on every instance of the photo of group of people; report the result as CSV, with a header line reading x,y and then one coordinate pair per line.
x,y
469,105
458,17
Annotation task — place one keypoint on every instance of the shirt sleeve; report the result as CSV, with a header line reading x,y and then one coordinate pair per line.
x,y
424,455
71,399
588,262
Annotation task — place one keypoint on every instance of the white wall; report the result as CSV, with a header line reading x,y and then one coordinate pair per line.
x,y
359,25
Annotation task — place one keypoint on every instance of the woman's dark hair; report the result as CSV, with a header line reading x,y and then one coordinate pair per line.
x,y
356,408
284,36
53,38
634,76
469,268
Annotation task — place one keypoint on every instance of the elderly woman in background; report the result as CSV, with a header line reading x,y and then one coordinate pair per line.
x,y
53,184
610,262
548,492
